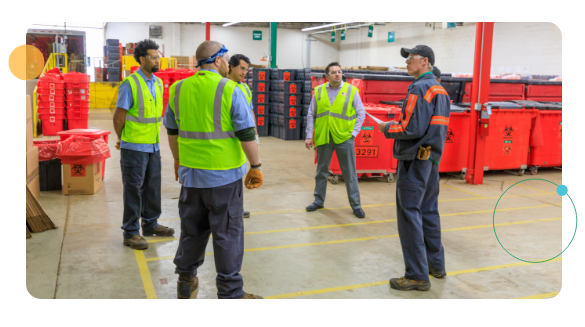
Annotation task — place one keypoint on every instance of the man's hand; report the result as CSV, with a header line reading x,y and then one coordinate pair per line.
x,y
118,144
309,143
382,127
254,179
177,164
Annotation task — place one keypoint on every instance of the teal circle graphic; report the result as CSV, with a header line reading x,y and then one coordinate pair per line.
x,y
536,179
562,190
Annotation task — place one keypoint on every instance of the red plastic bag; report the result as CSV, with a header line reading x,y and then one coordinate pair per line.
x,y
47,149
82,150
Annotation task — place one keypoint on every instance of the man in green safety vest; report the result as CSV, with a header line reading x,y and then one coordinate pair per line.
x,y
239,65
337,113
211,133
137,121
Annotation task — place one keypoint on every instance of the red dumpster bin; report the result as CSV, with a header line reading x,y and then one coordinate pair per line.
x,y
500,90
549,151
507,145
93,133
456,148
544,90
374,155
375,87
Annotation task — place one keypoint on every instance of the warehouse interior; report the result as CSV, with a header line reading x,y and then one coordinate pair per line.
x,y
501,225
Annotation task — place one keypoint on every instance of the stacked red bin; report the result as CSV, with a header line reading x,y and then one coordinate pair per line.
x,y
77,98
51,101
168,77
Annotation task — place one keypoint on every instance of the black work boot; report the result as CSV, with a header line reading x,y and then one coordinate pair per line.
x,y
403,284
186,285
314,206
437,273
246,214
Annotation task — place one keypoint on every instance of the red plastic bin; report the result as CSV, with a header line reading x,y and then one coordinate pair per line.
x,y
507,145
71,91
549,154
43,104
51,91
456,148
77,104
77,85
51,111
77,124
52,124
93,133
77,97
374,155
51,97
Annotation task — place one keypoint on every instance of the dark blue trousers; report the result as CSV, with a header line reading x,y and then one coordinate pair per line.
x,y
217,211
141,177
419,224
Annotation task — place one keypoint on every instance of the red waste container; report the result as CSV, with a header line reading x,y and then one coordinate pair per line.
x,y
318,79
507,145
500,90
93,133
549,151
456,148
544,90
374,155
375,88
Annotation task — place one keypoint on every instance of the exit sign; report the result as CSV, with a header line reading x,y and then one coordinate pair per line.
x,y
390,37
257,35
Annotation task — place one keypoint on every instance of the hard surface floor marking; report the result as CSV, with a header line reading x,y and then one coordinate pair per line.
x,y
386,282
461,190
364,238
154,240
525,186
145,275
540,296
389,204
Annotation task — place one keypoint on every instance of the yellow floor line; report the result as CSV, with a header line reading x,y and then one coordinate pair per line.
x,y
362,238
357,224
391,204
386,282
540,296
464,191
145,274
532,188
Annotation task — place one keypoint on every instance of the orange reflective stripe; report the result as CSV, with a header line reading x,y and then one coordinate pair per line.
x,y
409,109
440,118
439,122
395,129
430,90
433,91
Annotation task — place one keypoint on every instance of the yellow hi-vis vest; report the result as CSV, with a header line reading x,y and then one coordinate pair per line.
x,y
143,120
339,119
246,90
202,105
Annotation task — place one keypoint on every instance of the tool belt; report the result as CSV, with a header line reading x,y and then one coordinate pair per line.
x,y
425,154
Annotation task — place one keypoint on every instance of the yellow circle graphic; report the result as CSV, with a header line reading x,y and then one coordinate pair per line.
x,y
26,62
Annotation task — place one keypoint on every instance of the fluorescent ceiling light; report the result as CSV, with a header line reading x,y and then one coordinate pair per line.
x,y
228,24
354,26
322,26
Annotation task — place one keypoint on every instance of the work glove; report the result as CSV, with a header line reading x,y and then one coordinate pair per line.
x,y
424,153
254,179
177,164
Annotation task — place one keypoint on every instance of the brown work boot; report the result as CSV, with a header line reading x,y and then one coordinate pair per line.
x,y
136,242
160,230
403,284
437,273
251,296
186,285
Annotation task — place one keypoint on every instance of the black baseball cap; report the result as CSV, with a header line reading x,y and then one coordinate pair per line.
x,y
436,72
422,50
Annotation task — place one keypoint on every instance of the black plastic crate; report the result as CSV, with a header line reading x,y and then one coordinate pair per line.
x,y
307,98
114,56
250,74
292,111
307,86
294,87
287,74
50,175
274,85
261,108
290,128
110,42
258,97
262,124
300,74
273,126
304,128
113,77
278,108
113,63
274,107
290,99
260,86
274,96
261,74
305,110
114,49
274,74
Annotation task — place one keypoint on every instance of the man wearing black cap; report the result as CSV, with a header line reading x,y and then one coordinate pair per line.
x,y
420,136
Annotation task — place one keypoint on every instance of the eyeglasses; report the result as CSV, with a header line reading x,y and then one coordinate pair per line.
x,y
243,68
410,58
226,57
333,72
153,58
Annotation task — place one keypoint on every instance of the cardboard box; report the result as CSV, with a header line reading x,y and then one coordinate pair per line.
x,y
32,171
35,186
29,125
127,73
82,179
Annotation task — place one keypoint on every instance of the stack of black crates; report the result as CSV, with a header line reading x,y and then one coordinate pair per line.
x,y
112,53
290,96
258,80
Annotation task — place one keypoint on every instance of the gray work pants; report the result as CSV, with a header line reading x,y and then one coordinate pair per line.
x,y
346,155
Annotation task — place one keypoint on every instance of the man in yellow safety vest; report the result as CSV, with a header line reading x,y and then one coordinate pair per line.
x,y
137,121
211,133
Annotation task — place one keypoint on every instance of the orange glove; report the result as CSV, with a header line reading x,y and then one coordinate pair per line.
x,y
254,179
118,144
177,164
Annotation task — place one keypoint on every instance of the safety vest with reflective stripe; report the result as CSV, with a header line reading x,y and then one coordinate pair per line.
x,y
246,90
339,119
143,120
202,105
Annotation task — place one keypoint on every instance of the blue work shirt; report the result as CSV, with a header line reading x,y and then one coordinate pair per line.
x,y
203,178
126,101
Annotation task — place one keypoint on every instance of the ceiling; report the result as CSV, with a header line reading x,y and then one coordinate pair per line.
x,y
287,25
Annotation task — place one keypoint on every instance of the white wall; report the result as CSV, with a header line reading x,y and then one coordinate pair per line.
x,y
527,48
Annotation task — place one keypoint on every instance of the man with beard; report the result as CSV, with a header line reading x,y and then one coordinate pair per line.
x,y
137,121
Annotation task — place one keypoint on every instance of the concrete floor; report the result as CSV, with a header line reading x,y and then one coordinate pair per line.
x,y
291,253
